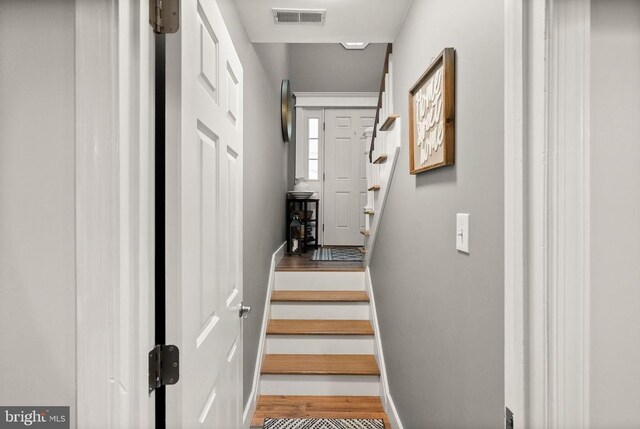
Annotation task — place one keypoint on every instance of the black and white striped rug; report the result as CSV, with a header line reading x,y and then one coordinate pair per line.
x,y
323,423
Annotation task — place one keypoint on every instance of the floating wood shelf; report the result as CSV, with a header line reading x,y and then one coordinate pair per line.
x,y
379,160
364,232
374,188
387,124
368,211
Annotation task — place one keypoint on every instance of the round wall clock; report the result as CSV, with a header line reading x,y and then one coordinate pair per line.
x,y
286,110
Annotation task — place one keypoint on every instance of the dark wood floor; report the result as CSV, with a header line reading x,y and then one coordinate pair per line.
x,y
304,263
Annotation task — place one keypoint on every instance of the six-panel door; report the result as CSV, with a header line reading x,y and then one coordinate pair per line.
x,y
204,232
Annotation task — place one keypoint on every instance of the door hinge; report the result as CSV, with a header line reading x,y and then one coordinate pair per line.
x,y
164,366
323,177
164,16
324,126
323,227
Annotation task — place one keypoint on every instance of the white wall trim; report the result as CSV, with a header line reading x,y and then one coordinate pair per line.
x,y
547,180
567,199
136,126
514,233
250,407
336,99
385,394
97,207
114,225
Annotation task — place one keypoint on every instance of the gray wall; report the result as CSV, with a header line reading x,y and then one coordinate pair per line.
x,y
615,211
441,312
328,67
276,59
37,203
265,173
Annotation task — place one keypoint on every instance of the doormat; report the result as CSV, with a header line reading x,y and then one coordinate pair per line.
x,y
337,254
323,423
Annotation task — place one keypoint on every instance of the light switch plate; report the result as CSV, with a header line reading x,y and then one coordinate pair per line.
x,y
462,232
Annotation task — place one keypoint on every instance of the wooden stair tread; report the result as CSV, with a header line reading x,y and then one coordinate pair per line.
x,y
379,160
388,122
338,407
302,364
319,296
319,327
374,188
364,232
368,211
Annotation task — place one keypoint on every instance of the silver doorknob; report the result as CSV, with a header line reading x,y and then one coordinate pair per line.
x,y
244,310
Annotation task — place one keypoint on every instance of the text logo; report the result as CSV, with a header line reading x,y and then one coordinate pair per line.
x,y
34,417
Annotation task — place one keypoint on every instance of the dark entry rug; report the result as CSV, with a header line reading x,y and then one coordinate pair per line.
x,y
346,254
323,423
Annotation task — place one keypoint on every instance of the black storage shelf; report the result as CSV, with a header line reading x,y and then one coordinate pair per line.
x,y
298,206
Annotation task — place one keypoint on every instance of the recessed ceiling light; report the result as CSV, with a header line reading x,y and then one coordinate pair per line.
x,y
355,45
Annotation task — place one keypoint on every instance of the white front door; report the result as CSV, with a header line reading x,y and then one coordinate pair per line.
x,y
204,219
345,185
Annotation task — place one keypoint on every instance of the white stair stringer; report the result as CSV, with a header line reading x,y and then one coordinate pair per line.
x,y
379,199
385,393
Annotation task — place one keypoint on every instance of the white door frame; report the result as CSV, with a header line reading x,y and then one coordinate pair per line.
x,y
114,225
314,101
547,61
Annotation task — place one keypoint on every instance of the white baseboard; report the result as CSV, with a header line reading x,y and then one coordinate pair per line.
x,y
385,395
392,413
255,386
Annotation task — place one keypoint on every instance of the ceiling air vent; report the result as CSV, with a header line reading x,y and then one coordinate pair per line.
x,y
299,16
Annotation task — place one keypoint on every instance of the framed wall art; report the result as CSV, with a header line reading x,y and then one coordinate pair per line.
x,y
432,116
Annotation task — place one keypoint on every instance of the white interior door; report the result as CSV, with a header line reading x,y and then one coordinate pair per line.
x,y
345,185
204,218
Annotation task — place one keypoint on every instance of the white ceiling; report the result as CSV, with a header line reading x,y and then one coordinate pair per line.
x,y
346,20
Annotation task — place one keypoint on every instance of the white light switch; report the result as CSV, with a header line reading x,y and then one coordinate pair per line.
x,y
462,232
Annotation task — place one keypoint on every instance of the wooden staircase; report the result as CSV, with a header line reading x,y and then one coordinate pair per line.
x,y
319,356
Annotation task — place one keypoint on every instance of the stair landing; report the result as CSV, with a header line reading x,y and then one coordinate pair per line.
x,y
304,263
337,407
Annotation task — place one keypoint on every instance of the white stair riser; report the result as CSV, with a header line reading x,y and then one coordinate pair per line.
x,y
326,311
320,344
319,280
348,385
